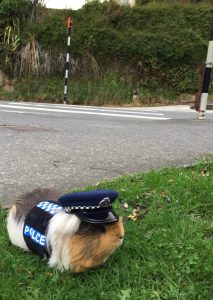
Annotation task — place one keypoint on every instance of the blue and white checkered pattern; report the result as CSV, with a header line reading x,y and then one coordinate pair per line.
x,y
49,207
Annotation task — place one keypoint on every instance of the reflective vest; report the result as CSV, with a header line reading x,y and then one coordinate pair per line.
x,y
35,226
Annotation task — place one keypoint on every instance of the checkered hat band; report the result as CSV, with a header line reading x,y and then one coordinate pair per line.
x,y
79,208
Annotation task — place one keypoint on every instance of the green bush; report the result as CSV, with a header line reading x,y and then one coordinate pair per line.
x,y
157,42
50,32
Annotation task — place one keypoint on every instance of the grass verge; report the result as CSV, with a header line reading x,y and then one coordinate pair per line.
x,y
167,252
110,90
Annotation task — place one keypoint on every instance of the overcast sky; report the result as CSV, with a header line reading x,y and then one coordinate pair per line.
x,y
74,4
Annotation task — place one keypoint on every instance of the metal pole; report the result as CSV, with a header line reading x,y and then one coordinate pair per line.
x,y
69,26
199,93
207,78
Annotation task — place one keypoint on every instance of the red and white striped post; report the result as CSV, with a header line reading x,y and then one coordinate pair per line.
x,y
206,79
69,26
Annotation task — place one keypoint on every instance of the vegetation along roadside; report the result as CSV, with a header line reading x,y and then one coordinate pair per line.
x,y
154,49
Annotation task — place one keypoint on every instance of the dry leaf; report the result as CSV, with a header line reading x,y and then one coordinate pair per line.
x,y
170,181
124,206
138,213
204,173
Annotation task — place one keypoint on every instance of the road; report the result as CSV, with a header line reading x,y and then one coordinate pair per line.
x,y
75,146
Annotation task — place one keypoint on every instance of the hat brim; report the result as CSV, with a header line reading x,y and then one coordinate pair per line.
x,y
103,217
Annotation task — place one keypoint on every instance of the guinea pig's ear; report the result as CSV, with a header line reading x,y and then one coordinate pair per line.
x,y
101,228
91,229
84,228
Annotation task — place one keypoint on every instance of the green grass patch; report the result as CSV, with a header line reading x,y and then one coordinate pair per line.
x,y
110,90
167,252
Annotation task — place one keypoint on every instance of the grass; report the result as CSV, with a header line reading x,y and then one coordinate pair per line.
x,y
110,90
167,252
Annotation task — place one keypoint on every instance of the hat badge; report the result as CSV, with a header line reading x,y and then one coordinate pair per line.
x,y
104,202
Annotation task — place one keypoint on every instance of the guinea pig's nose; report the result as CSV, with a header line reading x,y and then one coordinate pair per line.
x,y
121,237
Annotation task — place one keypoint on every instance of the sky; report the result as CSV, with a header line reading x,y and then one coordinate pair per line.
x,y
73,4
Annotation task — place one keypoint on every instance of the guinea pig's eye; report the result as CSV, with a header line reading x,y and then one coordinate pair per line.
x,y
101,229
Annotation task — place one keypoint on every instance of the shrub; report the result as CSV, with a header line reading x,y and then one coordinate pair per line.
x,y
163,42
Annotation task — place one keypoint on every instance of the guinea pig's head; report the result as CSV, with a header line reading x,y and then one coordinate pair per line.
x,y
94,243
107,237
113,234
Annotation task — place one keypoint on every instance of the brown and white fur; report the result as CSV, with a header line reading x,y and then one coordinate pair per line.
x,y
75,244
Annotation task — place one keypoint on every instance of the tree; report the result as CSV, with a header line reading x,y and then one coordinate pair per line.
x,y
14,14
22,9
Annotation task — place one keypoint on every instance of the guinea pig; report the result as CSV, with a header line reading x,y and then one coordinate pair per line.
x,y
72,243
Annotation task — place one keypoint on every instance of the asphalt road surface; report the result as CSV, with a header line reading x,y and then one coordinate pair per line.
x,y
46,145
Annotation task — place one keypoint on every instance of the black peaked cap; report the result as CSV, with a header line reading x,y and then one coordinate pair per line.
x,y
92,206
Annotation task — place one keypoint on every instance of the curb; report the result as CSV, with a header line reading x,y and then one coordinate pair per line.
x,y
208,107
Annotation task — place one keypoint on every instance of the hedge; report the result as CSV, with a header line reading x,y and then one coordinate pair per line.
x,y
154,42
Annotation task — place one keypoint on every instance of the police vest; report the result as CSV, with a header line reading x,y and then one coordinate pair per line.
x,y
35,226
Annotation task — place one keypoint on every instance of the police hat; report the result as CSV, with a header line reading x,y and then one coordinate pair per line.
x,y
92,207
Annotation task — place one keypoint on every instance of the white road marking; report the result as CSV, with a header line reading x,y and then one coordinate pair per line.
x,y
92,108
120,111
85,112
13,111
26,112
